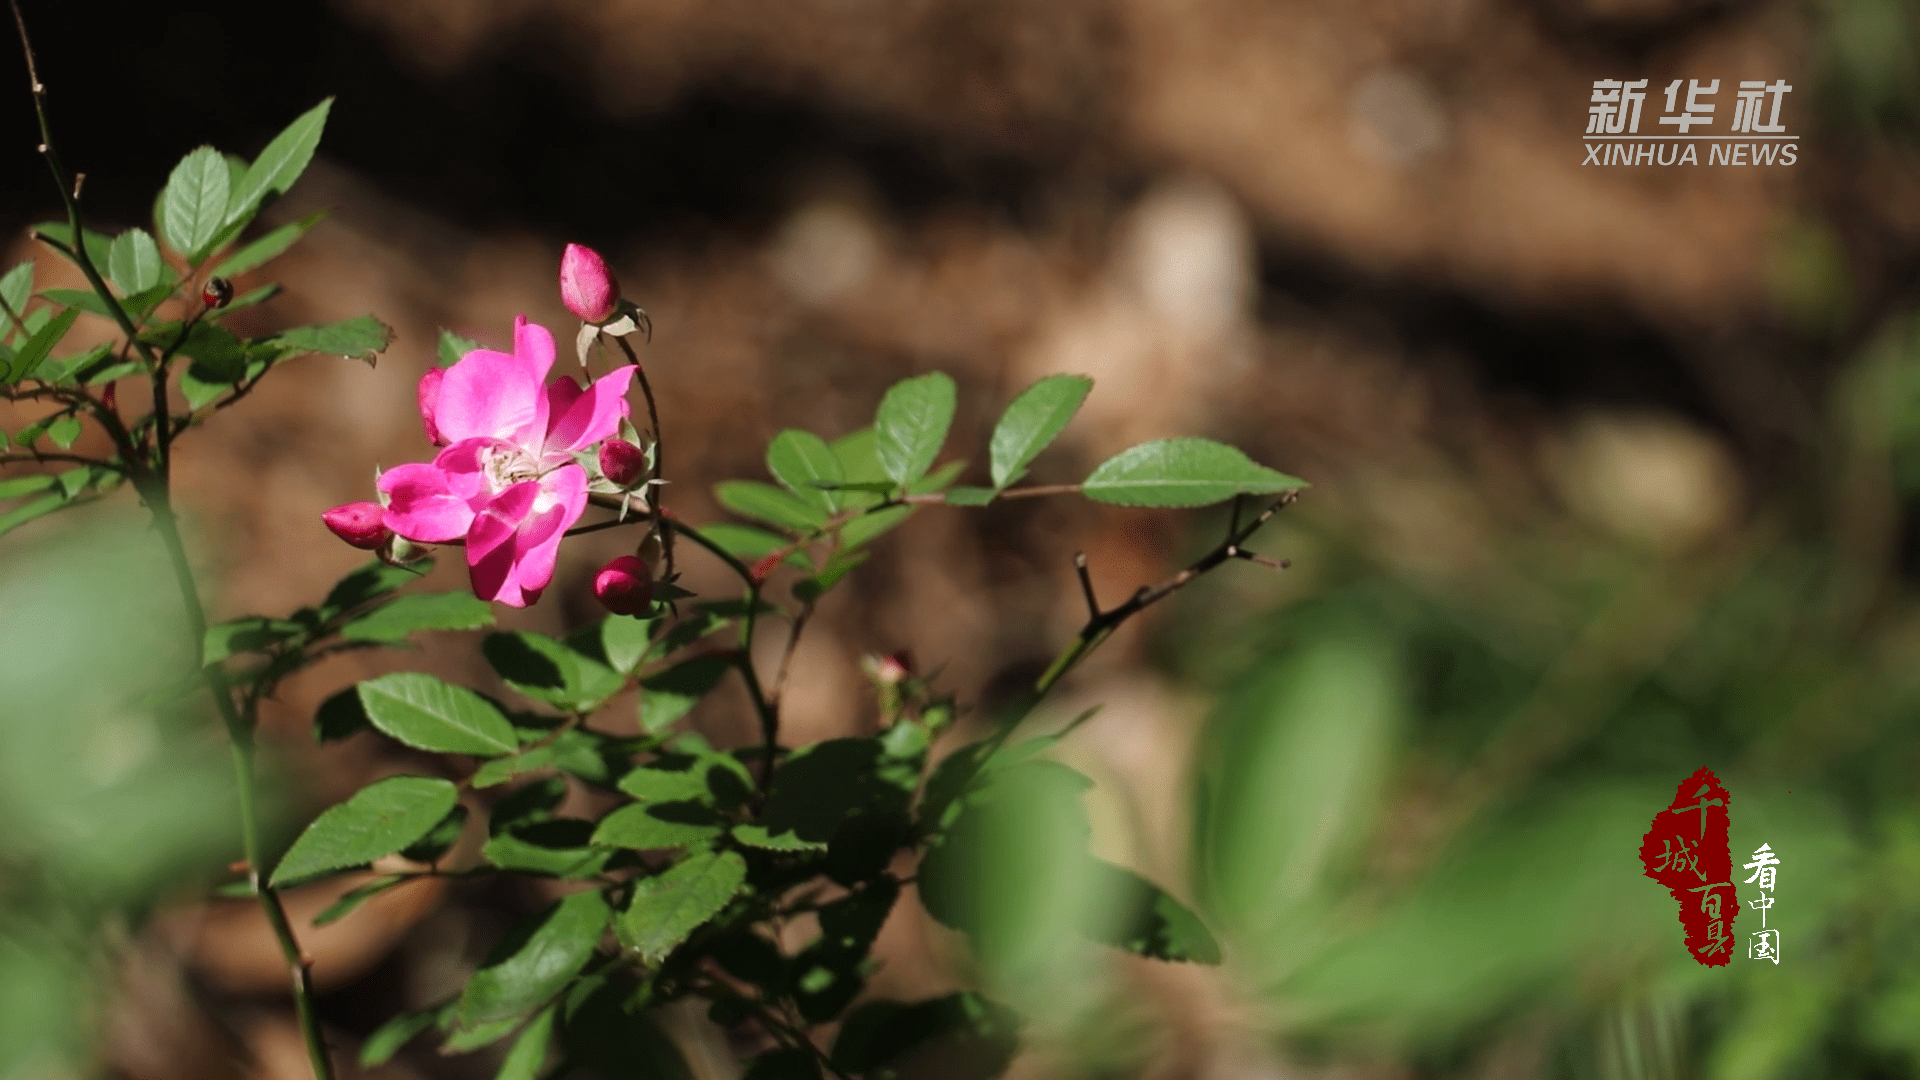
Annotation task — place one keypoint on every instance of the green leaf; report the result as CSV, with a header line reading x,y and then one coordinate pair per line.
x,y
557,847
427,713
879,1034
655,785
656,826
758,836
439,839
422,611
16,287
359,338
267,247
624,641
98,244
912,424
133,262
194,205
380,819
764,502
750,545
463,1040
1132,913
501,770
218,356
388,1038
1033,420
529,1050
42,342
1182,472
347,904
970,496
279,164
672,905
368,582
453,347
549,671
255,633
820,787
64,431
871,524
799,459
537,957
26,512
672,693
25,485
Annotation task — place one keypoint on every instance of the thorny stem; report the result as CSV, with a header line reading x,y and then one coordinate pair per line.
x,y
152,481
656,509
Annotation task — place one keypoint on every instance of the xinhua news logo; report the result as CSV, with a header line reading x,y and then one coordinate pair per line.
x,y
1753,134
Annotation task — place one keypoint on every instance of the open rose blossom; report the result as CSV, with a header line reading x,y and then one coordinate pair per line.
x,y
507,482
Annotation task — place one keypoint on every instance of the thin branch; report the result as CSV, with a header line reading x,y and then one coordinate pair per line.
x,y
786,655
1034,492
655,504
1086,584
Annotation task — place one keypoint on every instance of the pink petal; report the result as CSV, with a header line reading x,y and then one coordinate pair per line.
x,y
534,346
421,507
491,548
489,395
539,541
589,416
429,398
464,465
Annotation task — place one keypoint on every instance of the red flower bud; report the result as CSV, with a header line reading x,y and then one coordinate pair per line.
x,y
429,398
217,293
765,567
622,462
587,287
624,586
360,524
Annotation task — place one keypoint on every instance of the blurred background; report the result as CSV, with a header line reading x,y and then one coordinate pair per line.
x,y
1616,475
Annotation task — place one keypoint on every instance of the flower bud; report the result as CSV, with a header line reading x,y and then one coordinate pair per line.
x,y
624,586
429,398
359,524
889,670
216,293
587,287
622,462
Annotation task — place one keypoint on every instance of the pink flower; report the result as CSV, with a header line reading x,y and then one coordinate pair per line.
x,y
587,287
429,395
507,483
359,524
622,462
624,586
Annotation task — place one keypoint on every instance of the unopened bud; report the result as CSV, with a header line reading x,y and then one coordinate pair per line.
x,y
429,399
587,287
890,670
622,462
624,586
217,292
360,524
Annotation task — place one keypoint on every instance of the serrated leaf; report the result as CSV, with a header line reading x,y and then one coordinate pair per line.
x,y
279,164
255,633
769,504
655,826
837,568
41,343
421,611
1033,420
388,1038
911,425
64,431
380,819
267,247
557,847
537,957
529,1051
359,338
194,204
624,641
218,356
453,347
550,671
462,1040
757,836
654,785
133,262
350,902
799,460
1183,472
427,713
370,581
1134,914
501,770
672,693
668,907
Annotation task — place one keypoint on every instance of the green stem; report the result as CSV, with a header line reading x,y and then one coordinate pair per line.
x,y
240,736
